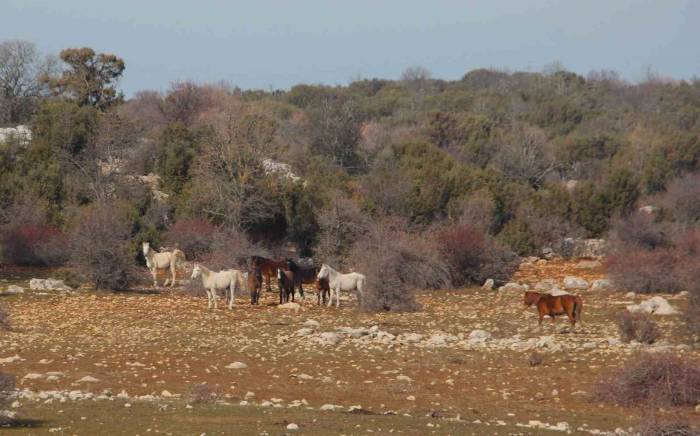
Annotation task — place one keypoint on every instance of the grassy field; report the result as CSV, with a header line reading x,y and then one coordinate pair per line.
x,y
145,343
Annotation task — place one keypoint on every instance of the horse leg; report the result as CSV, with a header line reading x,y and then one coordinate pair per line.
x,y
213,294
267,282
173,264
337,298
208,298
330,296
154,274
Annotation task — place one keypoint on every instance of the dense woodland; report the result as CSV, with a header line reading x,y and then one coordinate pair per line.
x,y
455,178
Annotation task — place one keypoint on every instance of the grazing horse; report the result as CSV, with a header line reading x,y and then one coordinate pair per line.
x,y
302,275
254,284
341,282
268,267
213,281
285,278
165,260
554,305
323,290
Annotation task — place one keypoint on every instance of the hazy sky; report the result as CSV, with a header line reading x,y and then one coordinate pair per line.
x,y
264,43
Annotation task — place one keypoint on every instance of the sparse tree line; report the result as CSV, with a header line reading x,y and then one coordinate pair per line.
x,y
458,177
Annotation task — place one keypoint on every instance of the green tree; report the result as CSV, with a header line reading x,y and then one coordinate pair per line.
x,y
90,78
176,151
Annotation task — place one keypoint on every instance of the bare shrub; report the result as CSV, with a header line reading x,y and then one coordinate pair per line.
x,y
4,319
396,263
202,393
473,256
653,379
673,426
341,224
101,247
535,359
637,326
644,271
7,386
639,230
681,200
34,245
193,236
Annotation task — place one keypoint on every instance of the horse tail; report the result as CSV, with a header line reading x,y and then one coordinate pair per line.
x,y
578,305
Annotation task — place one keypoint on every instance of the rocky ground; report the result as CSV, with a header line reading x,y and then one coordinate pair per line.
x,y
127,363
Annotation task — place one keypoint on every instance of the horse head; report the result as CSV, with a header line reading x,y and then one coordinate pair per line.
x,y
323,273
531,298
196,271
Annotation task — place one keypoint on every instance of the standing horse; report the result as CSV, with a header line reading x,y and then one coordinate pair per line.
x,y
285,278
302,275
268,267
341,282
164,260
323,290
214,281
254,284
554,305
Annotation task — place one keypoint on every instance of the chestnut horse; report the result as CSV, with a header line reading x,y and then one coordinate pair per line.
x,y
268,268
552,305
254,284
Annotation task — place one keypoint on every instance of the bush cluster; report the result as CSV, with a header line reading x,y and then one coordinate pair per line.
x,y
637,326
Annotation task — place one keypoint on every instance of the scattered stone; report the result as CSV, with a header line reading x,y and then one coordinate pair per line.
x,y
589,264
14,290
479,336
10,359
556,291
310,323
404,378
88,379
295,307
292,426
237,365
488,285
572,283
304,332
656,305
601,285
329,338
513,287
33,376
545,285
48,285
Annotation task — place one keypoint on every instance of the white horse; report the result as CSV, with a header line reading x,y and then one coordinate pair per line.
x,y
164,260
342,282
213,281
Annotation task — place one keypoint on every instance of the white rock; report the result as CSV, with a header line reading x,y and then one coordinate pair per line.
x,y
304,331
355,332
601,285
329,338
88,379
512,287
656,305
479,336
10,359
410,338
14,290
330,407
545,285
404,378
311,323
48,285
166,394
556,291
295,307
237,365
572,283
488,285
33,376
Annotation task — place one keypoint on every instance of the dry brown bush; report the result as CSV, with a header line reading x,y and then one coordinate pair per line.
x,y
397,263
637,326
671,426
101,247
653,379
4,319
202,393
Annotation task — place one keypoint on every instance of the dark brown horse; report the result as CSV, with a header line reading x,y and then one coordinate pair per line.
x,y
285,278
323,289
254,284
268,268
554,305
302,275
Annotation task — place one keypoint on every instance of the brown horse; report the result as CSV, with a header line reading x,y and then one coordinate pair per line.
x,y
553,306
285,278
268,268
254,284
302,275
323,289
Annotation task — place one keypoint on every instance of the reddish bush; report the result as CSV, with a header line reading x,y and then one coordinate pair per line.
x,y
653,379
637,326
34,245
644,271
193,236
474,256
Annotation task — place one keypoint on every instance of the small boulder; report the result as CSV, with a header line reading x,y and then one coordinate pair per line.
x,y
292,426
88,379
556,291
329,338
488,285
312,323
572,283
589,264
237,365
294,307
601,285
655,305
513,287
14,290
48,285
479,336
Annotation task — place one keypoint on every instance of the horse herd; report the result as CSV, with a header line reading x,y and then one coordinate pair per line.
x,y
290,276
328,282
